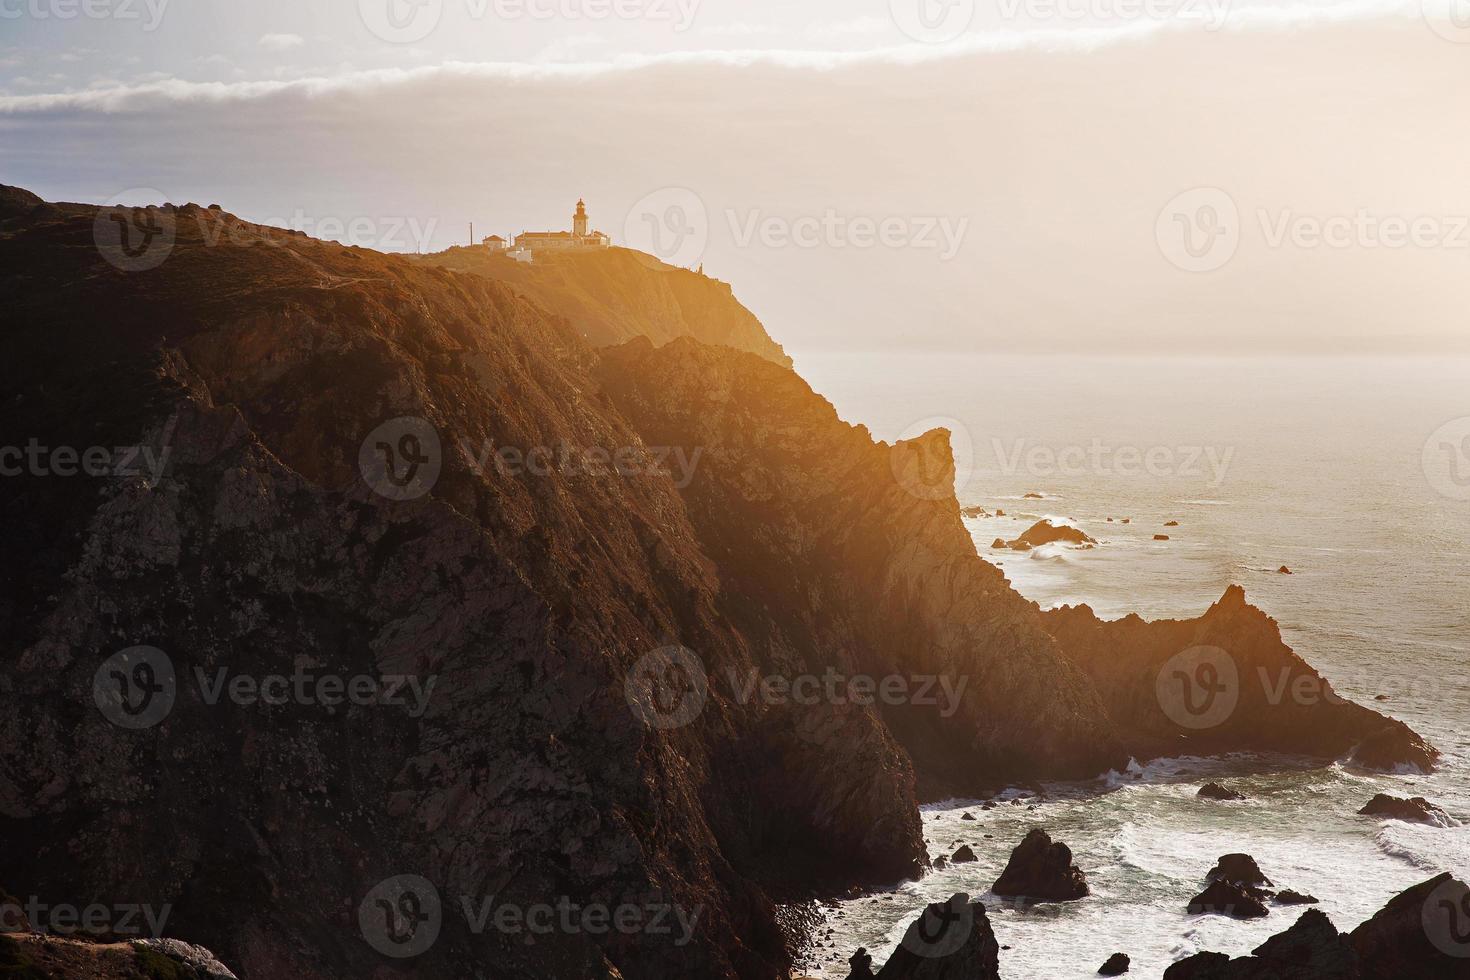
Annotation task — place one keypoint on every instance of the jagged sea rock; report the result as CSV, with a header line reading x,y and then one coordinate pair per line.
x,y
1214,791
1045,532
950,940
1423,933
1116,965
1225,898
1041,870
1415,809
1239,869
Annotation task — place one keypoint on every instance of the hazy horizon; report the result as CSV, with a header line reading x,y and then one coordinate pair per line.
x,y
1024,186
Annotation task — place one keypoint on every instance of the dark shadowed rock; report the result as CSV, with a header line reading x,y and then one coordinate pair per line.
x,y
1283,570
1289,897
1041,870
964,855
1412,810
1200,966
1225,898
1394,748
1239,869
1116,966
1045,532
861,964
950,940
1214,791
1312,949
1161,537
15,201
1423,933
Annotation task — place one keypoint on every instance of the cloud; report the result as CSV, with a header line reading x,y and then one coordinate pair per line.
x,y
281,42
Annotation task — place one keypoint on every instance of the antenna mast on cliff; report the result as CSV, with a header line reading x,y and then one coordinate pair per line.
x,y
472,234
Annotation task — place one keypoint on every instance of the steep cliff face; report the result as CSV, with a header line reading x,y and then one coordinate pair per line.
x,y
642,582
260,368
612,295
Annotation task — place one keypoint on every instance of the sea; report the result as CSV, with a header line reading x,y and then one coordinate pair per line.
x,y
1351,472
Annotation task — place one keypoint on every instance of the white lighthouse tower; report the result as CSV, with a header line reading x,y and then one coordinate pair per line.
x,y
579,220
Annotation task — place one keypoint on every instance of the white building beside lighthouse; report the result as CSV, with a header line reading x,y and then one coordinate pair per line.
x,y
579,237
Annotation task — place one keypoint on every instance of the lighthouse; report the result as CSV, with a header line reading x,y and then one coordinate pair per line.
x,y
579,220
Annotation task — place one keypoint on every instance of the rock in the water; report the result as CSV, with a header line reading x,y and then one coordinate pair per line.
x,y
1032,495
1042,870
940,863
1171,524
1227,898
1161,537
950,941
1423,933
968,816
1116,966
1045,532
861,964
1396,747
1283,570
999,543
1214,791
1415,809
1239,869
1200,966
963,856
973,512
1289,897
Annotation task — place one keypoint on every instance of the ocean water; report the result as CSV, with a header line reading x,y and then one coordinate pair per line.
x,y
1352,472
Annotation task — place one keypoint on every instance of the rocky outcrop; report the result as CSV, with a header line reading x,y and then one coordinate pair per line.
x,y
1415,809
1239,869
39,956
1116,965
950,940
1225,681
1044,532
1229,899
1421,934
609,296
1214,791
1424,932
1041,870
16,201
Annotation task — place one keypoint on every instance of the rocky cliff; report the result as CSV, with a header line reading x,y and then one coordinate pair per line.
x,y
645,635
612,295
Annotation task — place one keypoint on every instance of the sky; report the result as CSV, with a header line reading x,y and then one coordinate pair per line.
x,y
1158,175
